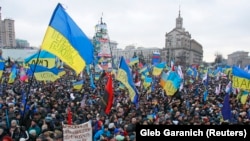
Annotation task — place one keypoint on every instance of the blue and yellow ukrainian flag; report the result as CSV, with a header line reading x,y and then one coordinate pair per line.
x,y
2,64
42,73
143,76
13,73
158,68
241,79
144,70
61,72
44,58
190,72
164,79
243,97
125,77
66,40
101,59
97,76
170,82
133,61
78,85
121,86
147,82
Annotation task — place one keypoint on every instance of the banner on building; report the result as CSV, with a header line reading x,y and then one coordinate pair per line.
x,y
80,132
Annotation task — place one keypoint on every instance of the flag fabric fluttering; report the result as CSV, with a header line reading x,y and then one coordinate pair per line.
x,y
42,73
147,82
43,57
241,79
69,117
226,109
13,74
2,65
172,65
107,103
61,72
180,73
78,85
23,76
125,77
243,97
205,94
157,69
163,80
92,83
170,82
247,68
205,82
156,58
97,76
66,40
229,87
144,71
133,61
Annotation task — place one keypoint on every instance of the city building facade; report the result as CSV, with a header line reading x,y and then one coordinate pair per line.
x,y
22,43
130,51
7,33
238,58
180,47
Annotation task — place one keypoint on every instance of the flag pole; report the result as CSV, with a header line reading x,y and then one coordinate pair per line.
x,y
29,87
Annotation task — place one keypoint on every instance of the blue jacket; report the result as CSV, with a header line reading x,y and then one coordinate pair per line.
x,y
100,132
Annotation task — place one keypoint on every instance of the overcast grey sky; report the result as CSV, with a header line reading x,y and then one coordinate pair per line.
x,y
218,25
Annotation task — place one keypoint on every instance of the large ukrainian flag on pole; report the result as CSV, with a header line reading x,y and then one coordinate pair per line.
x,y
66,40
125,77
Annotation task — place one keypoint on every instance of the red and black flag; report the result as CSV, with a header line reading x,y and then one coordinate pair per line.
x,y
107,99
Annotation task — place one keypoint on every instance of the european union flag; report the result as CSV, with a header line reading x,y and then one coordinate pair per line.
x,y
226,109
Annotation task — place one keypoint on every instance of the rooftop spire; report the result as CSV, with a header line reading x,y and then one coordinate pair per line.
x,y
0,14
179,20
101,18
179,10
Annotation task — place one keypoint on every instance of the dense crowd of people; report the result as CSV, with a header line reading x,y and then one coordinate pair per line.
x,y
40,118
